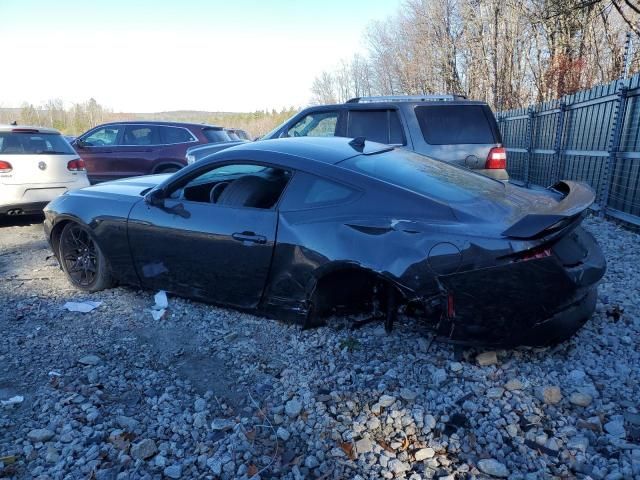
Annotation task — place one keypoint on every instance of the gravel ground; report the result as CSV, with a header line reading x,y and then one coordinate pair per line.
x,y
212,393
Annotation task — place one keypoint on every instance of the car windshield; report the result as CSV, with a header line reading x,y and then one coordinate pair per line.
x,y
215,135
34,143
431,178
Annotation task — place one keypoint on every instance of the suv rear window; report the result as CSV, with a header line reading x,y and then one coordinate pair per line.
x,y
376,125
215,135
455,124
29,143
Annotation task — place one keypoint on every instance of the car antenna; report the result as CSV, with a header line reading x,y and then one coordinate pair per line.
x,y
358,143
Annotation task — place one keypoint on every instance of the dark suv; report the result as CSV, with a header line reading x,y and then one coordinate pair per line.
x,y
445,127
126,149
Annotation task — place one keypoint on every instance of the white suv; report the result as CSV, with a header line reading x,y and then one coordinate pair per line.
x,y
36,165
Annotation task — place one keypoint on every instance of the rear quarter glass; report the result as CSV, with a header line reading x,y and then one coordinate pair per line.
x,y
456,124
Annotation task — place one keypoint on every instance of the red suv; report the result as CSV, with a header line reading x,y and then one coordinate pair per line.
x,y
126,149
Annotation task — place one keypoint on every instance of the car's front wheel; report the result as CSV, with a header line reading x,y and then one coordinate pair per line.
x,y
82,260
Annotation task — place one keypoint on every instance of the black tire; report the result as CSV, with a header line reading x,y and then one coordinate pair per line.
x,y
82,260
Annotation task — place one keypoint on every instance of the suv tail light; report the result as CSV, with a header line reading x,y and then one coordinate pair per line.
x,y
497,159
5,167
76,165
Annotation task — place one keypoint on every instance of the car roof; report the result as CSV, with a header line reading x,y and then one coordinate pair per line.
x,y
19,128
330,150
162,122
386,104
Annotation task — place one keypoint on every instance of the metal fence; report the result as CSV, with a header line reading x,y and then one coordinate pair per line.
x,y
592,136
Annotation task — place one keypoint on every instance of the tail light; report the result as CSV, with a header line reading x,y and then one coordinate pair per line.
x,y
5,167
451,309
76,165
534,253
497,159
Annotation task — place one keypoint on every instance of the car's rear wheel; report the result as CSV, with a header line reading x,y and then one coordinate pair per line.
x,y
82,260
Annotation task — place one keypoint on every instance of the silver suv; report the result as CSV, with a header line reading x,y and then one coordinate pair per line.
x,y
445,127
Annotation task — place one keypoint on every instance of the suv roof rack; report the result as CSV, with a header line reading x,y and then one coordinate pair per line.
x,y
407,98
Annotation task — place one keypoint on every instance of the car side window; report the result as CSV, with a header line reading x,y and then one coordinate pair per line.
x,y
310,191
376,125
317,124
105,136
141,135
236,185
172,135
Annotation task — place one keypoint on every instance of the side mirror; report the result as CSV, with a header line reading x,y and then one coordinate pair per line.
x,y
78,143
155,198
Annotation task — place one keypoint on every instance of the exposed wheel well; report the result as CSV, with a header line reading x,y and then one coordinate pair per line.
x,y
349,290
56,232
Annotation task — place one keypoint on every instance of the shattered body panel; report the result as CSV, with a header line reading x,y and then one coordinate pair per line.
x,y
501,266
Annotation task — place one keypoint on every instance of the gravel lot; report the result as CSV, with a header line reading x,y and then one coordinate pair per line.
x,y
212,393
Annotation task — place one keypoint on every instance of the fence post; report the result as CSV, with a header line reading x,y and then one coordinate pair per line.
x,y
557,143
530,115
614,145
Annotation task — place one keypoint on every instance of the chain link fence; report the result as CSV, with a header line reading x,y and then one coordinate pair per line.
x,y
591,136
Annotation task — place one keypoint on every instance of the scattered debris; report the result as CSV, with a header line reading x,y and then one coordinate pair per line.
x,y
82,307
12,401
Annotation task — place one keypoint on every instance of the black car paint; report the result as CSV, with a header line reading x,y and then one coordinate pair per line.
x,y
429,250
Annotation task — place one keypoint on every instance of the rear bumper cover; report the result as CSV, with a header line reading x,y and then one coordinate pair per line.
x,y
23,208
534,302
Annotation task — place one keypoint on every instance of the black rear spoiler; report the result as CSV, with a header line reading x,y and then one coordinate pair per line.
x,y
577,198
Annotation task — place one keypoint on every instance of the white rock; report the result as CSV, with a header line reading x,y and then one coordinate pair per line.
x,y
40,435
487,358
514,384
581,399
222,424
200,404
311,462
615,428
90,360
293,408
144,449
456,366
429,423
386,400
439,376
493,467
373,423
579,443
397,467
551,395
283,434
174,471
408,395
364,445
495,392
424,453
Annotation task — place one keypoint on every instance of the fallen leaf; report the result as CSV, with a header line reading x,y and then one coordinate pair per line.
x,y
348,449
385,446
252,470
405,444
250,434
8,459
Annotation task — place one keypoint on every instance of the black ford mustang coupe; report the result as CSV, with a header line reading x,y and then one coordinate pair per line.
x,y
301,228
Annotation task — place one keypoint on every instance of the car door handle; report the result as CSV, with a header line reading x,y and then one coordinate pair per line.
x,y
249,237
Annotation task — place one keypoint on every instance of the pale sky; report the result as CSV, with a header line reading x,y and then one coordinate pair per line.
x,y
150,56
